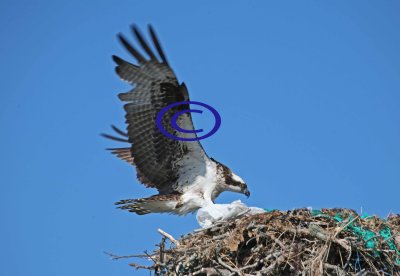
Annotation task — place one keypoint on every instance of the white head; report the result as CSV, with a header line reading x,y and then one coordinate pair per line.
x,y
231,181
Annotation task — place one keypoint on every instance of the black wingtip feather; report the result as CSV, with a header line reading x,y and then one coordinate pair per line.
x,y
157,44
117,59
117,130
120,61
143,42
131,49
108,136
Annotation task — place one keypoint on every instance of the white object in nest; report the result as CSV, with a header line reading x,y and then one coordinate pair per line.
x,y
211,214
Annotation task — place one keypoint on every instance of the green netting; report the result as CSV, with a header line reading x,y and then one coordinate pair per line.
x,y
318,213
369,237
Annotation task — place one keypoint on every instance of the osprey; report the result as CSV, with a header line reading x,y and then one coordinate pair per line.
x,y
184,175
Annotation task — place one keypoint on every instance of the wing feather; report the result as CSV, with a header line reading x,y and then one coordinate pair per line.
x,y
143,43
120,132
123,153
158,45
131,49
155,86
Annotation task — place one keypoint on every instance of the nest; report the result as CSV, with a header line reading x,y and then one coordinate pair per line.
x,y
298,242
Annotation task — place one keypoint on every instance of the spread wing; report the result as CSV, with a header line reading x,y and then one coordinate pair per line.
x,y
157,157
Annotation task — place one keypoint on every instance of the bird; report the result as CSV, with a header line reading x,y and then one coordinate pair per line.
x,y
184,175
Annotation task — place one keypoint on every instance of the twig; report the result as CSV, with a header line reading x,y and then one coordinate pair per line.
x,y
338,270
116,257
272,266
168,236
225,265
209,271
137,266
253,265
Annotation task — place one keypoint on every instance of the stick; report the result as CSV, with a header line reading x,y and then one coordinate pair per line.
x,y
168,236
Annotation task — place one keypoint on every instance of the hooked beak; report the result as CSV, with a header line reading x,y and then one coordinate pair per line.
x,y
246,192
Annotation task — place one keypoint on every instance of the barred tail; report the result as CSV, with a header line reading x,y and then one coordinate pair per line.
x,y
154,204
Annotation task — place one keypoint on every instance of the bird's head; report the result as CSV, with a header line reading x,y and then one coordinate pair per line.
x,y
236,184
231,181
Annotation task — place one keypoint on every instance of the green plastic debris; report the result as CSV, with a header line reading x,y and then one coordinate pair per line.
x,y
368,236
318,213
366,216
338,217
386,234
269,210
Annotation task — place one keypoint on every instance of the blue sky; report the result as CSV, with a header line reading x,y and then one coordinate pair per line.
x,y
308,92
